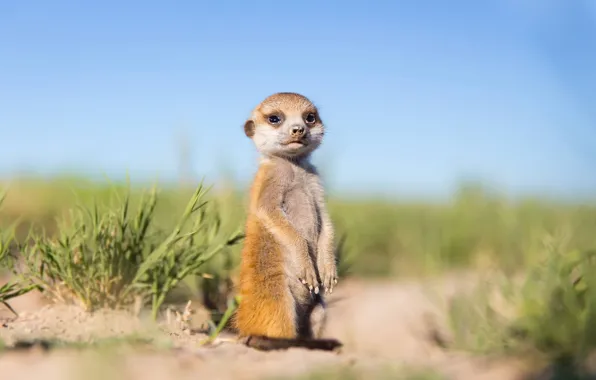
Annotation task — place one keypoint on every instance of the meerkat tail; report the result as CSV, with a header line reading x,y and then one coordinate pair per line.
x,y
264,343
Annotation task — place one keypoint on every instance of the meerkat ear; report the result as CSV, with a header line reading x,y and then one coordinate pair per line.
x,y
249,128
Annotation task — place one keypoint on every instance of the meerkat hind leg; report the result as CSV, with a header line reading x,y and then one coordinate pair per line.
x,y
318,320
264,343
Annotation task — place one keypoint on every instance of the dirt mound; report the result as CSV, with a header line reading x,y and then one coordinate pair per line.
x,y
384,326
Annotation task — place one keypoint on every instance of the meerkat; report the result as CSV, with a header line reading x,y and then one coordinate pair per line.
x,y
288,258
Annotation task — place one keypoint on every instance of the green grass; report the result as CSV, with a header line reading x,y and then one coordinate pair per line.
x,y
139,247
11,289
549,315
476,227
114,256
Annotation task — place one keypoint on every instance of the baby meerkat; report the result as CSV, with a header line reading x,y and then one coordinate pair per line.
x,y
288,258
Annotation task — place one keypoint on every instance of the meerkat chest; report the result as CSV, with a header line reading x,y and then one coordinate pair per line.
x,y
300,205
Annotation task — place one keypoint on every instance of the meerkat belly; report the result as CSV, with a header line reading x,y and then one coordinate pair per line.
x,y
302,212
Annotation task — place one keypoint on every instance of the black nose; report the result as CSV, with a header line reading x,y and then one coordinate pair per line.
x,y
298,130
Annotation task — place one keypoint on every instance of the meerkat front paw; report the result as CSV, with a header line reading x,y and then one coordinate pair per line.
x,y
308,277
328,273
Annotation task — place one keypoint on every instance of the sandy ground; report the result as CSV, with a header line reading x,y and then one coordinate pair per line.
x,y
382,324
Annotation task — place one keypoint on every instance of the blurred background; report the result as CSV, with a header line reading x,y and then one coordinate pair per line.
x,y
458,132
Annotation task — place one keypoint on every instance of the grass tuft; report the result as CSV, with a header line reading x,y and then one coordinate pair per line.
x,y
11,289
115,257
550,315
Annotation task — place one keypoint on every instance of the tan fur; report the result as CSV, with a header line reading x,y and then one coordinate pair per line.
x,y
288,257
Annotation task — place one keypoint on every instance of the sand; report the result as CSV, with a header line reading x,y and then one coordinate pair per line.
x,y
384,325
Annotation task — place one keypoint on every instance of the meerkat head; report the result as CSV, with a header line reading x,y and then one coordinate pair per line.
x,y
286,125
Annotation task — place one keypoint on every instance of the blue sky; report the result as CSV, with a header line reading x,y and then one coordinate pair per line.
x,y
416,95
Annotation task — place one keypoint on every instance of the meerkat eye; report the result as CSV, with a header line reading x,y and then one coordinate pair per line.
x,y
274,119
311,118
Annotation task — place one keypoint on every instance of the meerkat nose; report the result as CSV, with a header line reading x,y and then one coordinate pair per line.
x,y
298,130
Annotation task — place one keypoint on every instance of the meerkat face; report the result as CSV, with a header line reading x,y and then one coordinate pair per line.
x,y
285,125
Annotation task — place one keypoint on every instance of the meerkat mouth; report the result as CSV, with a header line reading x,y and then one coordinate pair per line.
x,y
296,143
